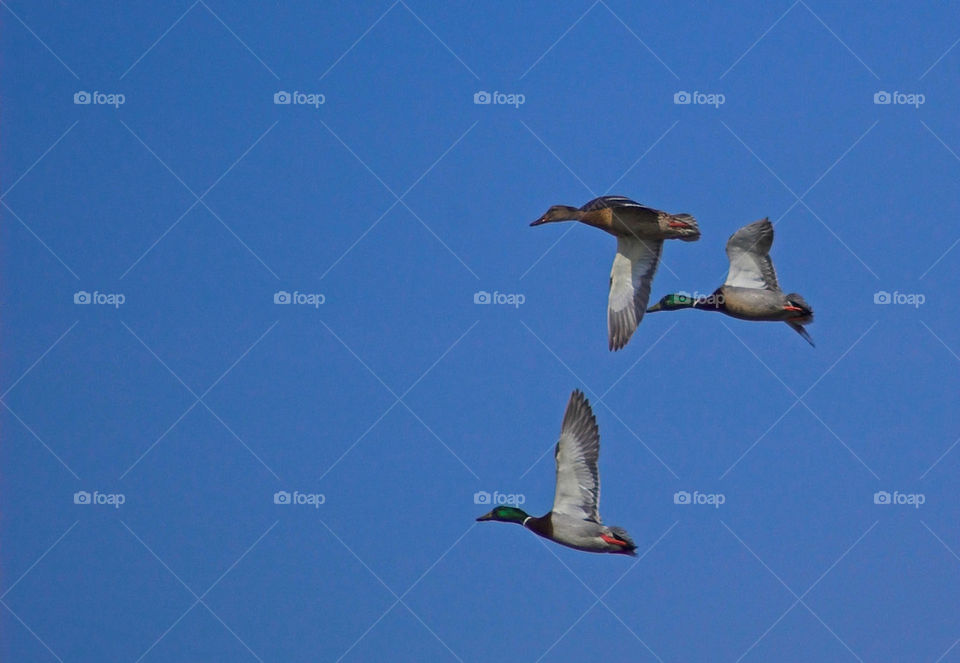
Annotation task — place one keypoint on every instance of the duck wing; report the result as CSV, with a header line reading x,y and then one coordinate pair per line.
x,y
606,202
630,280
576,454
748,250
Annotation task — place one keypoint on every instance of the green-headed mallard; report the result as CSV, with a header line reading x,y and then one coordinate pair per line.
x,y
640,232
574,520
751,291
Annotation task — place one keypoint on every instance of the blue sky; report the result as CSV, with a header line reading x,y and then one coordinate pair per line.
x,y
182,199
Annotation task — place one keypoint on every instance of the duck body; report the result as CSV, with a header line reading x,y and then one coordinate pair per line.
x,y
751,291
574,520
640,232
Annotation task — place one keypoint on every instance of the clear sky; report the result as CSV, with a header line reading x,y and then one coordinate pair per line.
x,y
147,430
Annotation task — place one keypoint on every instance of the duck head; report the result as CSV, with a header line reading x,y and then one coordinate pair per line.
x,y
557,213
673,303
505,514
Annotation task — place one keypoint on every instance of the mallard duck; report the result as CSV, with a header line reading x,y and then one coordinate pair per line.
x,y
574,520
751,291
640,232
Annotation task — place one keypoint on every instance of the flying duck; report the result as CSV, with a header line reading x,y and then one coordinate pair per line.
x,y
751,291
640,232
574,520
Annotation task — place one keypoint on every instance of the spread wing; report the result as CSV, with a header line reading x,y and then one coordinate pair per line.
x,y
630,280
577,452
748,250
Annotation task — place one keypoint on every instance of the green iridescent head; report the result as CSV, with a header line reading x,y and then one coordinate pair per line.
x,y
505,514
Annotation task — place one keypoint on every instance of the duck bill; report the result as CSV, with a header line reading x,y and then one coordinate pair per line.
x,y
540,221
656,307
486,516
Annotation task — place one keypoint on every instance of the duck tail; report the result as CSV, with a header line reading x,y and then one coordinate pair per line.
x,y
800,302
621,534
691,230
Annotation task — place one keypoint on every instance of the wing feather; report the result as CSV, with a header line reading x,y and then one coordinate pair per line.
x,y
630,280
576,454
748,250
